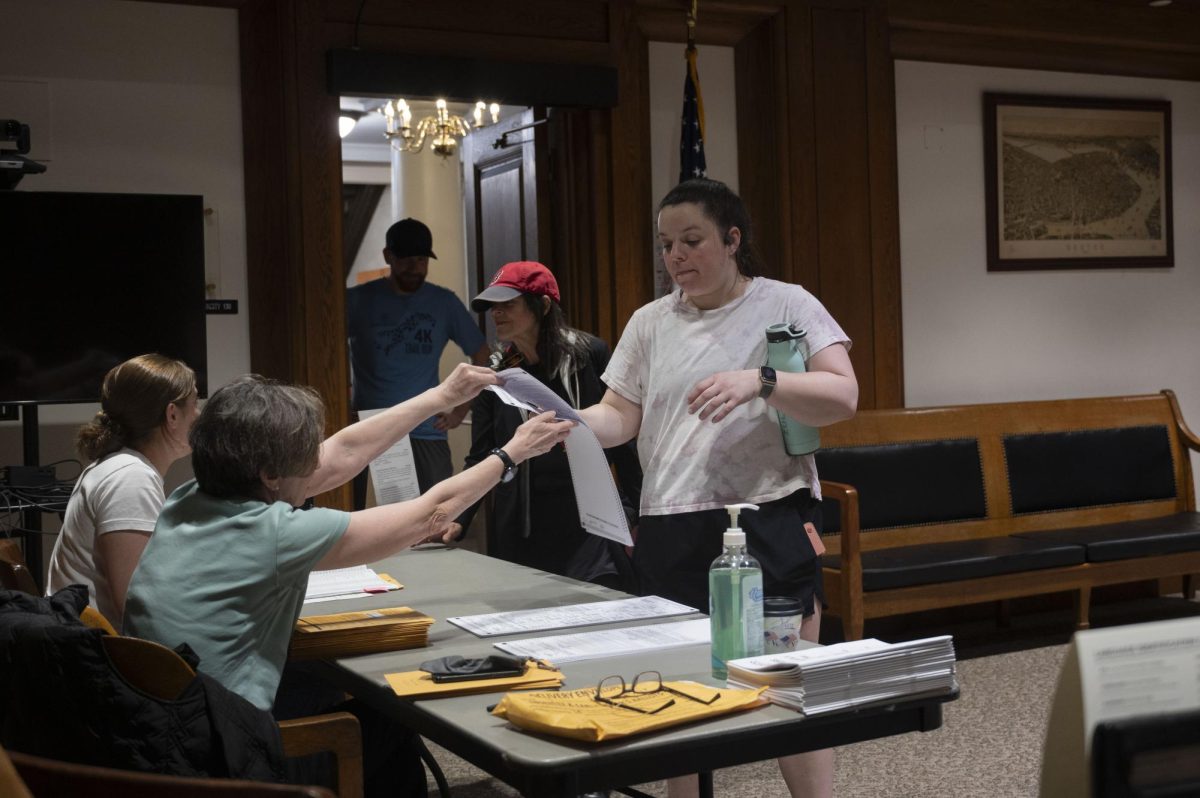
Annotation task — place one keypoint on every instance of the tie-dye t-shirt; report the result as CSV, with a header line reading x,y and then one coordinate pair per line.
x,y
668,347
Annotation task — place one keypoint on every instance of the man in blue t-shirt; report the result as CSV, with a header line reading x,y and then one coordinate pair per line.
x,y
398,327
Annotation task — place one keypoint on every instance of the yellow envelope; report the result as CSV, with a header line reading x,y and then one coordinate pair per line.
x,y
578,715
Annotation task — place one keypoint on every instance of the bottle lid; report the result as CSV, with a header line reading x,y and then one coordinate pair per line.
x,y
734,537
782,606
778,333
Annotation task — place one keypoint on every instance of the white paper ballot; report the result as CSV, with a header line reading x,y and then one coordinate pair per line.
x,y
610,642
393,473
593,612
600,510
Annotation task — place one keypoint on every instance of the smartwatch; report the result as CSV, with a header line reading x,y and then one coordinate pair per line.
x,y
767,380
510,468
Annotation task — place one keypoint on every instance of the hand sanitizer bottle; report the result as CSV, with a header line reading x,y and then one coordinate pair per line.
x,y
785,352
735,599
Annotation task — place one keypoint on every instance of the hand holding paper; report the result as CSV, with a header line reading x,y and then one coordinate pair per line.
x,y
600,510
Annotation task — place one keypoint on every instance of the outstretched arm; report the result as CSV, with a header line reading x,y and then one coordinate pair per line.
x,y
348,451
381,531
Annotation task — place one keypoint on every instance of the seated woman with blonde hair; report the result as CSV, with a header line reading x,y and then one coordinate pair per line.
x,y
147,406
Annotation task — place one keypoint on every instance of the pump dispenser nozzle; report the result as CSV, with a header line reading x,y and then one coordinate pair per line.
x,y
734,536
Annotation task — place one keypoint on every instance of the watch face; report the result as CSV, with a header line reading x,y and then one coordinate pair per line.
x,y
767,375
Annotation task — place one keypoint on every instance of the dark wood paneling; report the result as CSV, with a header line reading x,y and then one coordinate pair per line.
x,y
631,282
1065,35
576,20
271,170
464,79
761,128
800,149
720,23
844,183
887,316
326,366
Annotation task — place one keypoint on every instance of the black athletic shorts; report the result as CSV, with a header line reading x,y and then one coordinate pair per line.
x,y
674,552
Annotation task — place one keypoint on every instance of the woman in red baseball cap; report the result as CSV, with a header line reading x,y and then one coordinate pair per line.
x,y
535,518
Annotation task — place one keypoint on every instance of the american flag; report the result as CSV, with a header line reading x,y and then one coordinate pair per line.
x,y
691,134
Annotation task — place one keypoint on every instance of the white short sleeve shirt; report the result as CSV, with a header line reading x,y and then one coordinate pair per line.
x,y
668,347
120,492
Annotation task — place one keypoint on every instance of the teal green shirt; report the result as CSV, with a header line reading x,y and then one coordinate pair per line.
x,y
228,578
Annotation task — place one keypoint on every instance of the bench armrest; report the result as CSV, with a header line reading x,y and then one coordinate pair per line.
x,y
1189,438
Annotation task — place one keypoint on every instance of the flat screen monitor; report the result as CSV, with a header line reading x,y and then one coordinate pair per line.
x,y
90,280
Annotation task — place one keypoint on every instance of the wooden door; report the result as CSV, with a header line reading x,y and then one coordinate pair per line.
x,y
504,194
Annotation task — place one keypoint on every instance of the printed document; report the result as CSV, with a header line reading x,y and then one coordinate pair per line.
x,y
591,613
610,642
1141,669
352,582
393,473
600,510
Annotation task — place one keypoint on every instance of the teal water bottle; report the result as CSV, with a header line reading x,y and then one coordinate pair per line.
x,y
785,352
735,599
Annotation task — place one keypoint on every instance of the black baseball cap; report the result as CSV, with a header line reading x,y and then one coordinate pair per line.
x,y
408,238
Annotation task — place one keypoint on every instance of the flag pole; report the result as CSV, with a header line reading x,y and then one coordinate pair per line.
x,y
692,162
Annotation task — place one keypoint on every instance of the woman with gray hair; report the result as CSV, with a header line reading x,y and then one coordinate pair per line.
x,y
227,567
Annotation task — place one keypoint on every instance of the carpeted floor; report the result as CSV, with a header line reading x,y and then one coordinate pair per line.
x,y
989,745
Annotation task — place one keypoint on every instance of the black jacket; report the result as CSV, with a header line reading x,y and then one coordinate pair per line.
x,y
535,520
62,698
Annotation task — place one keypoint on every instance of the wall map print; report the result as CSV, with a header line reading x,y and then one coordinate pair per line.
x,y
1077,183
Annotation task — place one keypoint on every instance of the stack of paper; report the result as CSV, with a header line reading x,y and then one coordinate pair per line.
x,y
347,634
324,585
831,678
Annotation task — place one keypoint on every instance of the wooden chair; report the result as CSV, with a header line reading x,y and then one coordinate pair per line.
x,y
162,673
14,574
26,776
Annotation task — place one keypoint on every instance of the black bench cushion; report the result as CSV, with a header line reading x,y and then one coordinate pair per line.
x,y
906,484
1087,468
905,566
1145,538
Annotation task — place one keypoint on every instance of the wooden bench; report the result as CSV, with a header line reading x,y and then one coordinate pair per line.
x,y
945,506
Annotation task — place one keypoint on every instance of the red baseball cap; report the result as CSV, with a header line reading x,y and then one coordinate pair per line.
x,y
514,279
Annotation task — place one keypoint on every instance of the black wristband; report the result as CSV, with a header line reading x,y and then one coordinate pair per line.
x,y
510,468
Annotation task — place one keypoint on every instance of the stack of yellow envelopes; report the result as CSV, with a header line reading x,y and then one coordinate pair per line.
x,y
347,634
419,684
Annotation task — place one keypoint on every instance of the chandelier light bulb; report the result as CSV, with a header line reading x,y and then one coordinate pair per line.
x,y
494,108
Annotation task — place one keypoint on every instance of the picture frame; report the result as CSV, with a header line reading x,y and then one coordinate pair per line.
x,y
1077,182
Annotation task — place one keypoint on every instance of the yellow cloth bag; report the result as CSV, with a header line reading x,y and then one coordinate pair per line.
x,y
578,715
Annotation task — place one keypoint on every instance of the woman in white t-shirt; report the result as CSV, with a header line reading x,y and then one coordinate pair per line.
x,y
686,380
147,406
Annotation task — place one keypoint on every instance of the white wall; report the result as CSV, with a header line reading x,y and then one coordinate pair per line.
x,y
133,97
973,336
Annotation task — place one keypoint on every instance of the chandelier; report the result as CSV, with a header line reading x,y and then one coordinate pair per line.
x,y
443,129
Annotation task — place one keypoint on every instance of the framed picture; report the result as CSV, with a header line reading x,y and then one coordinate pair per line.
x,y
1077,183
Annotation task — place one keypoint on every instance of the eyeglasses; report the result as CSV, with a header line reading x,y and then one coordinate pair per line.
x,y
646,683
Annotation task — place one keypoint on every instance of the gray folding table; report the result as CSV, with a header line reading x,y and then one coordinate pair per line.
x,y
443,582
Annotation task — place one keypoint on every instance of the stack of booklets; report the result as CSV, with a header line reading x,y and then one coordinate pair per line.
x,y
347,634
825,679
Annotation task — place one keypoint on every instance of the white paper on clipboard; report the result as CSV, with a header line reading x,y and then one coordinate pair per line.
x,y
600,510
